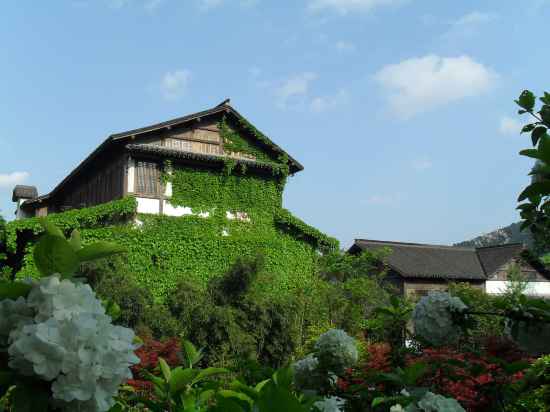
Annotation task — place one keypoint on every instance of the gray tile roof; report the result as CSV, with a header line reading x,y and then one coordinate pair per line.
x,y
415,260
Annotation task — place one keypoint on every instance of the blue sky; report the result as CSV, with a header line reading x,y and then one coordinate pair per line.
x,y
401,111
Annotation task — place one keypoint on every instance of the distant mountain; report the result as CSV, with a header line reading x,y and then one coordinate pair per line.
x,y
508,234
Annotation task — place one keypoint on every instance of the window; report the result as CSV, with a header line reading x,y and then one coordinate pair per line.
x,y
147,178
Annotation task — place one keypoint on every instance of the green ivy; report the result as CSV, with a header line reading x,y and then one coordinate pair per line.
x,y
234,142
101,215
163,250
298,228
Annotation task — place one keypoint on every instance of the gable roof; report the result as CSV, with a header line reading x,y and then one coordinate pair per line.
x,y
128,136
416,260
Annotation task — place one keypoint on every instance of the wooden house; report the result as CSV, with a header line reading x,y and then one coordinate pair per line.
x,y
416,269
131,163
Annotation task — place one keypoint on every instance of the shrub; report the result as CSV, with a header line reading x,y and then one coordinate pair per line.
x,y
479,301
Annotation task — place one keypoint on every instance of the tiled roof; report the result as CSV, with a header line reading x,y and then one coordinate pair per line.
x,y
417,260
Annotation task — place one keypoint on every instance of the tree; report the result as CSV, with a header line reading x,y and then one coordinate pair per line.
x,y
535,209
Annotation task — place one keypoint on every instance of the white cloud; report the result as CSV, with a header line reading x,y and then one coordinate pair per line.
x,y
475,17
8,180
423,83
348,6
207,5
322,104
293,87
346,47
509,125
421,164
174,84
469,24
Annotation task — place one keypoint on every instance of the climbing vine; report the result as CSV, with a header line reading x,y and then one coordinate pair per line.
x,y
163,250
234,142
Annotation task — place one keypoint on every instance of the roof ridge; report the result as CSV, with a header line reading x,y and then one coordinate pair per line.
x,y
391,242
499,246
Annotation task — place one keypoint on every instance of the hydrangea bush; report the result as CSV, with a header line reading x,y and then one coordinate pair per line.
x,y
435,318
61,334
56,338
336,351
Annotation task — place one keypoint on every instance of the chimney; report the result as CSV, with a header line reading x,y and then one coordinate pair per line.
x,y
20,194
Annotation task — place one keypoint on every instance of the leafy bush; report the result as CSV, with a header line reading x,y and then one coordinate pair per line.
x,y
63,349
534,389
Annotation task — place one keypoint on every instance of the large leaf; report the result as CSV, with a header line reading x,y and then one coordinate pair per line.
x,y
13,290
526,100
50,228
534,153
165,369
535,189
75,240
54,254
192,354
99,250
181,378
208,372
537,133
275,398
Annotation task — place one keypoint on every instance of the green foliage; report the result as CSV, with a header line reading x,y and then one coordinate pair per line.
x,y
232,320
534,389
536,207
480,301
299,229
164,250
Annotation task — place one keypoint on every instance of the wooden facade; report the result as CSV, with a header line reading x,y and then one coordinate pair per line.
x,y
131,163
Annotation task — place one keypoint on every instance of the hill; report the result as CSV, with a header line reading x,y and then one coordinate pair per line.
x,y
508,234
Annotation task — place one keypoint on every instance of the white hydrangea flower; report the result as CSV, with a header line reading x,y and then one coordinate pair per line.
x,y
72,343
433,318
431,402
330,404
336,351
62,299
397,408
306,373
13,313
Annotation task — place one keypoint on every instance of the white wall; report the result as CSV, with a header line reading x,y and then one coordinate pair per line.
x,y
170,210
131,176
145,205
496,287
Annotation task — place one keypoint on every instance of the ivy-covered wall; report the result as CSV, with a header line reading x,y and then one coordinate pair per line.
x,y
163,249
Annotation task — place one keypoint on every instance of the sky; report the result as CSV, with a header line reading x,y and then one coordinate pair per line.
x,y
401,111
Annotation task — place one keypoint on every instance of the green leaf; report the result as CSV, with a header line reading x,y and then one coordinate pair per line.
x,y
13,290
544,148
75,240
534,153
208,372
50,228
180,378
545,114
546,98
192,354
526,100
53,254
537,133
527,128
165,369
99,250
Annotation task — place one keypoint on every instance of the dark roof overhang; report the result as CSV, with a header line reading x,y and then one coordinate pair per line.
x,y
120,138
